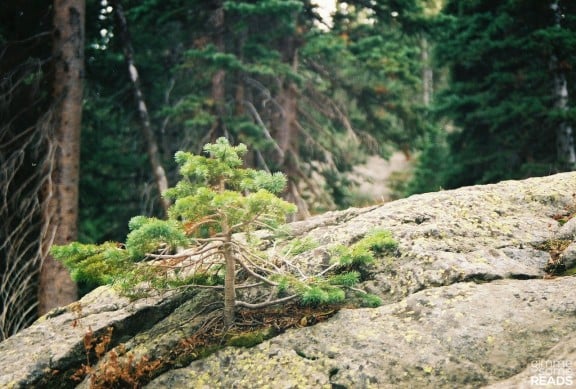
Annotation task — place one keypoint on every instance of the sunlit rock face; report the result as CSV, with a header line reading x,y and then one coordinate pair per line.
x,y
468,302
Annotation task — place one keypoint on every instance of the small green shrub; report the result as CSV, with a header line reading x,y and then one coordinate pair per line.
x,y
299,246
354,256
365,251
316,295
379,242
349,279
370,301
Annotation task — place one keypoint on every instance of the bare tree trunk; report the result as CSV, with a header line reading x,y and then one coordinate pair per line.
x,y
427,73
287,134
56,287
229,282
288,131
287,137
145,124
219,78
564,133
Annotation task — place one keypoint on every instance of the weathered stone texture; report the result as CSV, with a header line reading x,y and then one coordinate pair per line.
x,y
467,304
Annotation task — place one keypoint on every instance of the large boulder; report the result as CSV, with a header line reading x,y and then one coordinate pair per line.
x,y
468,302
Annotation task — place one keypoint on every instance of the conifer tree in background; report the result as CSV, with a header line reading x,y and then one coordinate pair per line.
x,y
506,93
116,179
387,82
62,188
41,63
152,149
308,101
565,136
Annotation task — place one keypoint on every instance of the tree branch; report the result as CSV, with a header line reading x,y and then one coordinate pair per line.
x,y
265,303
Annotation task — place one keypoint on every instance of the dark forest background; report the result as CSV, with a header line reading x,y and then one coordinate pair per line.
x,y
473,92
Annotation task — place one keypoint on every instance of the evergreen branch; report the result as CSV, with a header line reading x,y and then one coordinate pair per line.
x,y
254,274
186,253
205,220
258,267
357,290
265,130
276,268
266,303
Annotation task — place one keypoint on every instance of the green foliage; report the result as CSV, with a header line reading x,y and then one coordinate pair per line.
x,y
216,198
351,264
299,246
322,294
354,256
216,189
363,252
504,58
357,89
371,301
148,235
215,195
283,286
350,278
379,242
432,165
94,264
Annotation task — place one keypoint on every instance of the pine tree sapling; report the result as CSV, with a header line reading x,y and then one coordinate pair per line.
x,y
197,246
217,198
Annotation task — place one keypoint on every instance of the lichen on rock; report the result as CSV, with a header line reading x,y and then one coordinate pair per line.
x,y
467,303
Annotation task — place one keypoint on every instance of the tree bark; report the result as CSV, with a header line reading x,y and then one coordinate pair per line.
x,y
61,212
427,73
229,283
145,123
219,78
566,152
287,134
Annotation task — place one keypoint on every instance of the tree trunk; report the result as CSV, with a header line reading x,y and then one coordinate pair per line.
x,y
145,124
427,73
287,133
564,133
61,213
219,78
229,282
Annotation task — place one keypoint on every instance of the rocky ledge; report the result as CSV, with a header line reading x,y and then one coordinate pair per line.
x,y
469,301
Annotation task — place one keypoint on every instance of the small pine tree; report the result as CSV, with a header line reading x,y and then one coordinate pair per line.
x,y
215,199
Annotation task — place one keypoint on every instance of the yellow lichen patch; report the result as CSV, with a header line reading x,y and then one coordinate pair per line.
x,y
411,336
